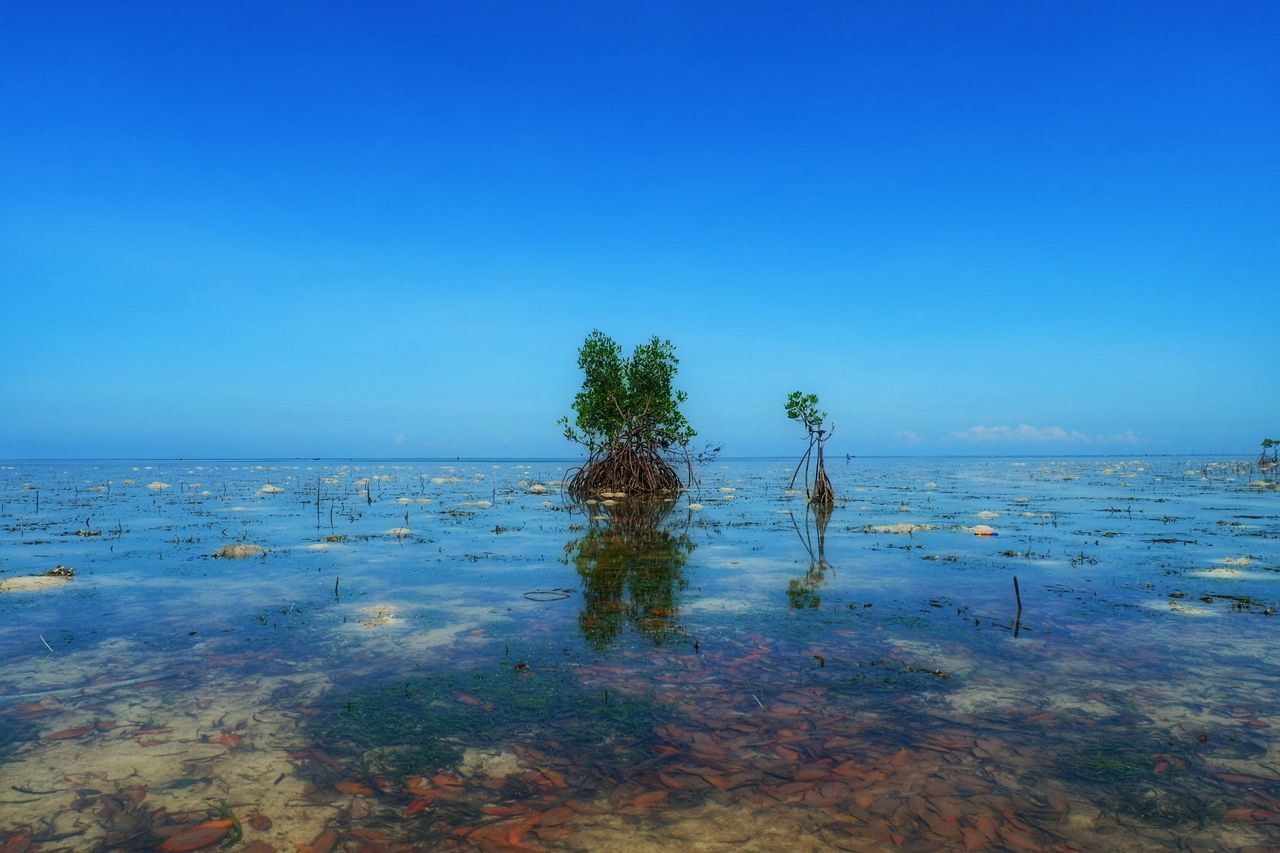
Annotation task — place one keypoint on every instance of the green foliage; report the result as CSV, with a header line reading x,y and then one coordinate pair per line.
x,y
803,407
627,401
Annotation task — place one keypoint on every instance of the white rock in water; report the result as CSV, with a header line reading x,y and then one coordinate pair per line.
x,y
269,489
239,550
399,531
538,489
987,515
157,486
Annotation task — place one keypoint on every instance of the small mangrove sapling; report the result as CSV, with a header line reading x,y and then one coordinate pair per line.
x,y
803,408
1265,462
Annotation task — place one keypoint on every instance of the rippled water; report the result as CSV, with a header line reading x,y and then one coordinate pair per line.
x,y
453,655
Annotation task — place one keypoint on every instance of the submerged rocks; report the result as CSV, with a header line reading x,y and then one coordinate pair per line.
x,y
239,550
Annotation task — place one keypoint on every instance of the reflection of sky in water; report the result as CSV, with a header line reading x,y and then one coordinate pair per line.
x,y
1135,576
1092,541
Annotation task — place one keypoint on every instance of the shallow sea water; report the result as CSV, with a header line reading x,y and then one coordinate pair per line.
x,y
452,655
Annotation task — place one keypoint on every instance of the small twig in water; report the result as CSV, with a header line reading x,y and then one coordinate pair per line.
x,y
1017,619
46,644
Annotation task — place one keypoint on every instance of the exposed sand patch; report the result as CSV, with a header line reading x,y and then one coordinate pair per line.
x,y
239,550
1219,574
269,489
399,531
1234,561
478,504
157,486
32,582
987,515
1186,609
903,527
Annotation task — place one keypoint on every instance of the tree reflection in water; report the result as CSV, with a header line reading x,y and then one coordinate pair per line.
x,y
631,561
803,592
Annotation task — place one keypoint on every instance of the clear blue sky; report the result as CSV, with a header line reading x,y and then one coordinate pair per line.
x,y
383,229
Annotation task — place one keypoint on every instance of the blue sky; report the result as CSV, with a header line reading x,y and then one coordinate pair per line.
x,y
383,229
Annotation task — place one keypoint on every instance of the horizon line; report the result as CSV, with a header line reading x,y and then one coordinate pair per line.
x,y
725,458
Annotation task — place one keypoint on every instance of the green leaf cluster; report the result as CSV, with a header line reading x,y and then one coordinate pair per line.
x,y
803,407
627,400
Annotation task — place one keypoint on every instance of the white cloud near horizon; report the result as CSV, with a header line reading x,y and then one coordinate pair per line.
x,y
1027,433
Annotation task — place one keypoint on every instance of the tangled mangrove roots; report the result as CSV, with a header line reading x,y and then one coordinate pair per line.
x,y
636,469
822,495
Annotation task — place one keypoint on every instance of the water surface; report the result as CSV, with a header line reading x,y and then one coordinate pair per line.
x,y
453,655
